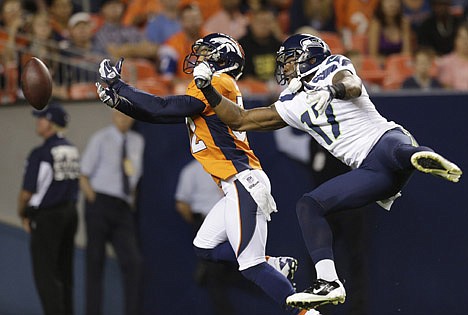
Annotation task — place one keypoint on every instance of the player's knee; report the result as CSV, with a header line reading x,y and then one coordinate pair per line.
x,y
307,207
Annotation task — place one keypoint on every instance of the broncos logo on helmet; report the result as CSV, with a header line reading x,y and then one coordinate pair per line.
x,y
307,51
222,52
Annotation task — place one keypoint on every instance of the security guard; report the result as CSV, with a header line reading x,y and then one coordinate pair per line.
x,y
47,208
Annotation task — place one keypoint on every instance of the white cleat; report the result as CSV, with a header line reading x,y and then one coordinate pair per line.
x,y
433,163
322,292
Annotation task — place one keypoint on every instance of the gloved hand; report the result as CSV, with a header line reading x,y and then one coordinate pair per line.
x,y
108,95
259,192
202,73
319,97
294,85
109,73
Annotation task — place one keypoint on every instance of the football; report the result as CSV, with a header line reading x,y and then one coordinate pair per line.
x,y
36,83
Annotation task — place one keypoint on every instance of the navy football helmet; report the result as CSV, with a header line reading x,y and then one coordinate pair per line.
x,y
222,52
307,51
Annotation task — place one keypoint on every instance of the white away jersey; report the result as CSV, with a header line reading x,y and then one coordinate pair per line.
x,y
348,128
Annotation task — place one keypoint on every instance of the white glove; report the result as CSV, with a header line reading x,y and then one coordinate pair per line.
x,y
202,73
109,73
259,192
108,95
294,85
319,97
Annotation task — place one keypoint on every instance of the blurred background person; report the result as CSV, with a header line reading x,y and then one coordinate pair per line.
x,y
453,68
318,14
163,24
228,20
79,60
172,53
138,12
353,18
47,208
118,40
111,168
260,45
416,11
207,7
439,29
423,78
60,12
389,31
12,32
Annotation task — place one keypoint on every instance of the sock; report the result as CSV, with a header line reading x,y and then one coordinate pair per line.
x,y
272,282
326,270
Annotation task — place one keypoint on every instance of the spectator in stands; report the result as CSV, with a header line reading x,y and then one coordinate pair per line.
x,y
438,31
260,45
117,40
80,59
11,38
207,7
416,11
173,52
228,20
43,46
164,24
138,12
318,14
389,30
353,17
60,12
422,78
453,68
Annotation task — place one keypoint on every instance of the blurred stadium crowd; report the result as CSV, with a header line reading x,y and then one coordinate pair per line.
x,y
393,43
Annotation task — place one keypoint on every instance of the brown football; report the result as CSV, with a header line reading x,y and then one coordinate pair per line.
x,y
36,83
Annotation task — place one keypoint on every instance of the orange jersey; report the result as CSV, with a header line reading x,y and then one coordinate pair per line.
x,y
222,151
354,14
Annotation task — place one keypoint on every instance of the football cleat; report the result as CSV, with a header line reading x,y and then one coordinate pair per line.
x,y
433,163
322,292
286,265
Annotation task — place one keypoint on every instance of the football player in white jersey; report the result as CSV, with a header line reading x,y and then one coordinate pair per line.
x,y
327,99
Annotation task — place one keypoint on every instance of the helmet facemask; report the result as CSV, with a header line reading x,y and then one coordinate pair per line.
x,y
220,56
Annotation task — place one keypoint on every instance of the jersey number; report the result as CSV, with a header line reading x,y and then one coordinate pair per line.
x,y
198,145
331,119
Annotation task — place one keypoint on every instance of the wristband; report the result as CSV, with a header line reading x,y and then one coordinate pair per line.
x,y
338,90
212,96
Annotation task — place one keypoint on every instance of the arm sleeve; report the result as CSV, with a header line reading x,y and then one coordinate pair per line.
x,y
91,156
154,109
31,172
184,185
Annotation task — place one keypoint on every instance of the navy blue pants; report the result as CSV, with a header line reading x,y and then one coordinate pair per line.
x,y
110,219
52,247
383,173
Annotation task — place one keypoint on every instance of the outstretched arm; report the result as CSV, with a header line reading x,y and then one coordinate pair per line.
x,y
141,105
236,117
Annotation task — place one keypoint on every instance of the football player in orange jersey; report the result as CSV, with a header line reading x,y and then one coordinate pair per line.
x,y
236,227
